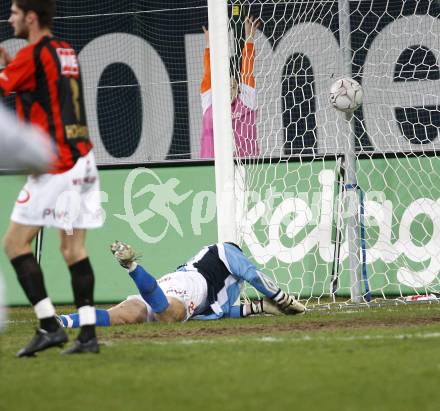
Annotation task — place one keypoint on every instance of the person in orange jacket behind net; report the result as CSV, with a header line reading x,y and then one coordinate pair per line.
x,y
243,100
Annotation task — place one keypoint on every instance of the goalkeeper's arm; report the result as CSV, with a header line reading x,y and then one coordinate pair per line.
x,y
242,268
277,300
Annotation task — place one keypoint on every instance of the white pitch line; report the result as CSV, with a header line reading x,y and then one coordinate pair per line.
x,y
18,321
302,339
271,339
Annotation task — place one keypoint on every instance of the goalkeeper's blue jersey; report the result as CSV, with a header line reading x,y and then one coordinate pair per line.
x,y
225,268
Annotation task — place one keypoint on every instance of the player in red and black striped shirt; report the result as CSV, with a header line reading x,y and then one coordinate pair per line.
x,y
47,80
45,76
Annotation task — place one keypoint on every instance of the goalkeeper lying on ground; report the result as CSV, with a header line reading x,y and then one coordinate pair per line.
x,y
205,288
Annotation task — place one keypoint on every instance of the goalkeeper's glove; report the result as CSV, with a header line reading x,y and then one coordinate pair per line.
x,y
287,303
269,307
261,306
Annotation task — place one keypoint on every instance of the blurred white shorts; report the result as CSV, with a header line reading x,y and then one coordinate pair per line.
x,y
68,200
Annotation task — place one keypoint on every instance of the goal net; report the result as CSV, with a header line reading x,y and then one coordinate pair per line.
x,y
293,196
142,63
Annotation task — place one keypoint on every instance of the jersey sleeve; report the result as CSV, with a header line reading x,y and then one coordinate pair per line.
x,y
247,65
205,86
19,75
206,80
248,94
240,266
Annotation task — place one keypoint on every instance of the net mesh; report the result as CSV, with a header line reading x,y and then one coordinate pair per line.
x,y
293,199
142,64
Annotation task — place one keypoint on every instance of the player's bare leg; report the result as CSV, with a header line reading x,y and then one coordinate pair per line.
x,y
72,245
75,254
128,312
17,245
18,238
175,312
134,311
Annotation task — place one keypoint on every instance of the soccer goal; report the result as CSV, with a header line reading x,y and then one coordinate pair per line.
x,y
338,209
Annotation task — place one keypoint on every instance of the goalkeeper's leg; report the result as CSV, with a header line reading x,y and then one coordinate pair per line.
x,y
130,311
145,282
133,310
165,309
72,320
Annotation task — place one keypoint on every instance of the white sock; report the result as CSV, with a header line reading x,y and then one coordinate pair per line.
x,y
87,315
44,309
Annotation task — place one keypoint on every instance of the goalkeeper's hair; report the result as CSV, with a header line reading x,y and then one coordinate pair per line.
x,y
44,9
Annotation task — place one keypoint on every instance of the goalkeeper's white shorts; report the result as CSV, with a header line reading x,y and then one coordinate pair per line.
x,y
189,287
67,200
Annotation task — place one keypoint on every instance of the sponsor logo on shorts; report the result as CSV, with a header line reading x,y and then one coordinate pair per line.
x,y
56,214
164,279
23,197
175,291
191,308
84,181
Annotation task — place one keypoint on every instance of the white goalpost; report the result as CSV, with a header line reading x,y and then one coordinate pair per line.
x,y
373,235
350,161
223,138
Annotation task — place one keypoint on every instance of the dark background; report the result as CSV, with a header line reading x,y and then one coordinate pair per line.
x,y
165,30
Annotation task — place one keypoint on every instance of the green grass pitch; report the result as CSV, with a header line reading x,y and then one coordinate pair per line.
x,y
373,359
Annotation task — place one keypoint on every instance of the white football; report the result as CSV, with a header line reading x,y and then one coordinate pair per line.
x,y
346,94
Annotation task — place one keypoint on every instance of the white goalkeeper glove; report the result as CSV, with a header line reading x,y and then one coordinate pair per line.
x,y
262,306
287,304
268,306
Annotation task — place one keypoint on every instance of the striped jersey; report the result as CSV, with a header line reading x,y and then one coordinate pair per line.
x,y
244,109
47,81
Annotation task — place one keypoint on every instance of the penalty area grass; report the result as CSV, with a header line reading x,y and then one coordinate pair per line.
x,y
370,359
